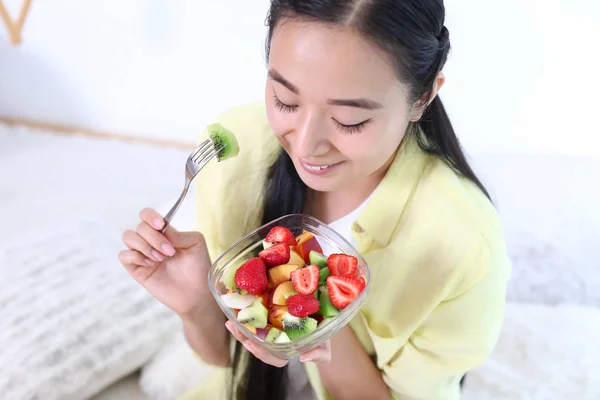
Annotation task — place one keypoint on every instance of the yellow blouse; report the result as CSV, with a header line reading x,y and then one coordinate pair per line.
x,y
434,243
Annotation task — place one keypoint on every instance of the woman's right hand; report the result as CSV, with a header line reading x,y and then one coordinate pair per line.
x,y
173,267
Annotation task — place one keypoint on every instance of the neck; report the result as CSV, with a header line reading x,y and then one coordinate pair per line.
x,y
330,206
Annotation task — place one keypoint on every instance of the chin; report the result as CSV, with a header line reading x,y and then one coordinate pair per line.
x,y
320,183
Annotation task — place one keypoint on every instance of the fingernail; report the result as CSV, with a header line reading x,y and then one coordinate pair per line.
x,y
305,360
247,345
168,249
158,223
228,326
150,262
159,257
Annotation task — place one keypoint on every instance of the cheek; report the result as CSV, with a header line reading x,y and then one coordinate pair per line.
x,y
281,123
372,148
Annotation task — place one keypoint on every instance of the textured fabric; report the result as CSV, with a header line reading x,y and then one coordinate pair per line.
x,y
432,239
72,321
544,353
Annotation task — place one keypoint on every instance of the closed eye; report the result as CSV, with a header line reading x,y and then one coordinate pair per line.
x,y
350,129
282,106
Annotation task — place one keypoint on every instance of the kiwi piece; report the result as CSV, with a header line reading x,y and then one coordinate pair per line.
x,y
229,277
327,309
296,327
318,259
323,275
277,336
223,139
254,315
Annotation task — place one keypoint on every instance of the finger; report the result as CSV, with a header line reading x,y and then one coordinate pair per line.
x,y
135,242
236,334
264,356
184,240
135,268
152,218
319,355
135,258
258,352
156,239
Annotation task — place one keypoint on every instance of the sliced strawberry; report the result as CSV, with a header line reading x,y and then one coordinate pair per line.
x,y
306,280
344,289
281,234
252,276
342,264
300,305
276,255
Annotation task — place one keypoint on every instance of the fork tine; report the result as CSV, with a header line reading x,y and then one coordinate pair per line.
x,y
202,154
202,147
202,162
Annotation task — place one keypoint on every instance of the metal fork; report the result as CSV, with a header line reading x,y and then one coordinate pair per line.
x,y
197,160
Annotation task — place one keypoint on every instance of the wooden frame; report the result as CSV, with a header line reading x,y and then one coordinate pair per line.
x,y
15,28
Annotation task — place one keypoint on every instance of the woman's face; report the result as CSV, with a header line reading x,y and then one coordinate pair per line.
x,y
335,103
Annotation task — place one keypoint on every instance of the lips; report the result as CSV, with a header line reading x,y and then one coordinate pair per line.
x,y
318,169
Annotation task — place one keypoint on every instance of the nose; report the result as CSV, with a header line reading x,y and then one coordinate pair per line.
x,y
312,137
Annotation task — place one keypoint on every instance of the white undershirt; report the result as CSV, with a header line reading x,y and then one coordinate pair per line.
x,y
343,225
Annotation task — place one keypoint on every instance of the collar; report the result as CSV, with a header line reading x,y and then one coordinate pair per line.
x,y
381,215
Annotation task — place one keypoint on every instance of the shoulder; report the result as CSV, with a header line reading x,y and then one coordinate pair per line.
x,y
229,194
458,228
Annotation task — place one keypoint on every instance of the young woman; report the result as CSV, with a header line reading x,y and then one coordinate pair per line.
x,y
352,132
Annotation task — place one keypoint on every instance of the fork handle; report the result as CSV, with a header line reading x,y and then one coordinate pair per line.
x,y
173,210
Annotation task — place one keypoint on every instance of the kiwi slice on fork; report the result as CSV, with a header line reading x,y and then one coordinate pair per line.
x,y
223,139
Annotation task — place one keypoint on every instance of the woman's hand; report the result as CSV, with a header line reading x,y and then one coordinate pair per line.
x,y
319,355
173,267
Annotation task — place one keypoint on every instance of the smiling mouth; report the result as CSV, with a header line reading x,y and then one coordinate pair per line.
x,y
318,168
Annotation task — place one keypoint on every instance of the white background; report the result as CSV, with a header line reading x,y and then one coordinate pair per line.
x,y
522,77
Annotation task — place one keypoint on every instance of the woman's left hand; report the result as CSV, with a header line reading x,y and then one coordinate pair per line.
x,y
319,355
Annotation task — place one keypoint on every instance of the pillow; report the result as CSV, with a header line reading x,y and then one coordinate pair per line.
x,y
72,321
544,352
174,371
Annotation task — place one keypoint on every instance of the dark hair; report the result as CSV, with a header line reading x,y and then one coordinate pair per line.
x,y
413,34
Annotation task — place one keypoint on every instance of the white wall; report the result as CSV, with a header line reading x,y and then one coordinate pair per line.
x,y
522,76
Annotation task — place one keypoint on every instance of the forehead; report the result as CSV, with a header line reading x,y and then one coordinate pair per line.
x,y
324,60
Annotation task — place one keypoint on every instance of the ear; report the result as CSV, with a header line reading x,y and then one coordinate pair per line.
x,y
423,103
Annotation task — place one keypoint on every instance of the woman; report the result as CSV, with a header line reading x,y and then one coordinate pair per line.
x,y
354,133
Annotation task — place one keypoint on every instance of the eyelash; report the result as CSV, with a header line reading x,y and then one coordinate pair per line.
x,y
349,129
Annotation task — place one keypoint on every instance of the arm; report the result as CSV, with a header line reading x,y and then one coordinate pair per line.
x,y
457,336
206,333
351,374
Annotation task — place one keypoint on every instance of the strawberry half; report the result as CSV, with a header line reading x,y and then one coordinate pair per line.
x,y
342,264
252,276
344,289
300,305
276,255
306,280
281,234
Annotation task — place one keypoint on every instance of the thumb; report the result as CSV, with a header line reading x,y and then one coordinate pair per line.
x,y
184,240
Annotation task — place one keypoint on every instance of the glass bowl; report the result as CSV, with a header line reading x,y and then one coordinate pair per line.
x,y
249,247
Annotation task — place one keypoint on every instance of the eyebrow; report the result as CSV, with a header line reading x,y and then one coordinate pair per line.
x,y
358,103
276,76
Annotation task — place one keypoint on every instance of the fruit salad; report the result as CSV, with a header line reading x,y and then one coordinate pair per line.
x,y
290,288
